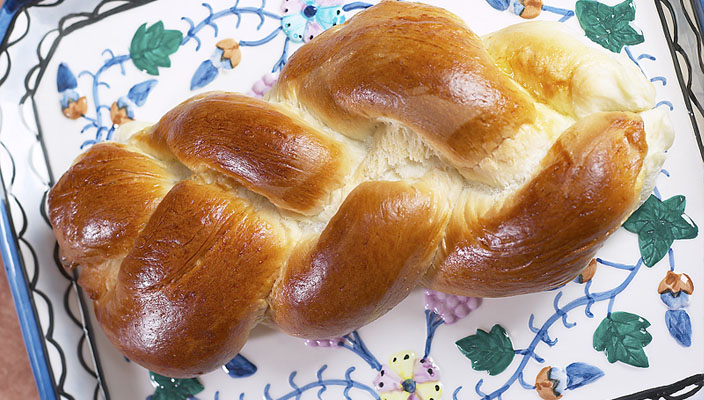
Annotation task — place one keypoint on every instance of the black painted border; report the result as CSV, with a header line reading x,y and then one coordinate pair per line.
x,y
669,392
5,43
86,18
690,99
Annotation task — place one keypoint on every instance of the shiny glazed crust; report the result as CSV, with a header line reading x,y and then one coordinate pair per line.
x,y
396,150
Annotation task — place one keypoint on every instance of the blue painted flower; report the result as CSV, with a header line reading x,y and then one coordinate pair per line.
x,y
73,105
675,290
676,283
240,367
121,111
305,19
675,301
552,382
227,55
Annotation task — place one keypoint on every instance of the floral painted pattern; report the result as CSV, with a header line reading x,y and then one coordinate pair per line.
x,y
529,9
552,382
407,378
73,105
226,56
304,19
674,291
152,46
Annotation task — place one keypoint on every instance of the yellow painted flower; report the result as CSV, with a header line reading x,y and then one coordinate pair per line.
x,y
407,378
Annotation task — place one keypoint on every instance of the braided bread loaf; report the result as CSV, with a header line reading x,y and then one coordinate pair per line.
x,y
397,149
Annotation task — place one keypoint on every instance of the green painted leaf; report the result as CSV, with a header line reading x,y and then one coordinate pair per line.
x,y
492,352
174,389
658,224
608,26
151,47
622,337
676,204
642,216
654,241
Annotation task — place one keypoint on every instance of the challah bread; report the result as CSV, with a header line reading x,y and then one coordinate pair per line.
x,y
394,151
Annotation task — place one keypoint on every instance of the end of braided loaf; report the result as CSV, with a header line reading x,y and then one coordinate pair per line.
x,y
397,149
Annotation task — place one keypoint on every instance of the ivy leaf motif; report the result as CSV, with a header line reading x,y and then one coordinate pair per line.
x,y
151,47
608,26
492,352
174,389
658,224
622,337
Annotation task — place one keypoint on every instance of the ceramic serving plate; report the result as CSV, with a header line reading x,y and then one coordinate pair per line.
x,y
632,325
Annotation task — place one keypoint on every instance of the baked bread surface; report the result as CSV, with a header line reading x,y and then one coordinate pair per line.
x,y
396,150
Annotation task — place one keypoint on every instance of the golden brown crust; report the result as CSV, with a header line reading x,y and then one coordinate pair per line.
x,y
571,77
269,152
546,233
194,284
532,60
178,286
414,64
371,254
103,201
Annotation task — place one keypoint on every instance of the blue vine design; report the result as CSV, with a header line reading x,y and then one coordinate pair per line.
x,y
588,300
348,383
97,122
432,323
234,10
354,343
560,314
104,130
237,11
